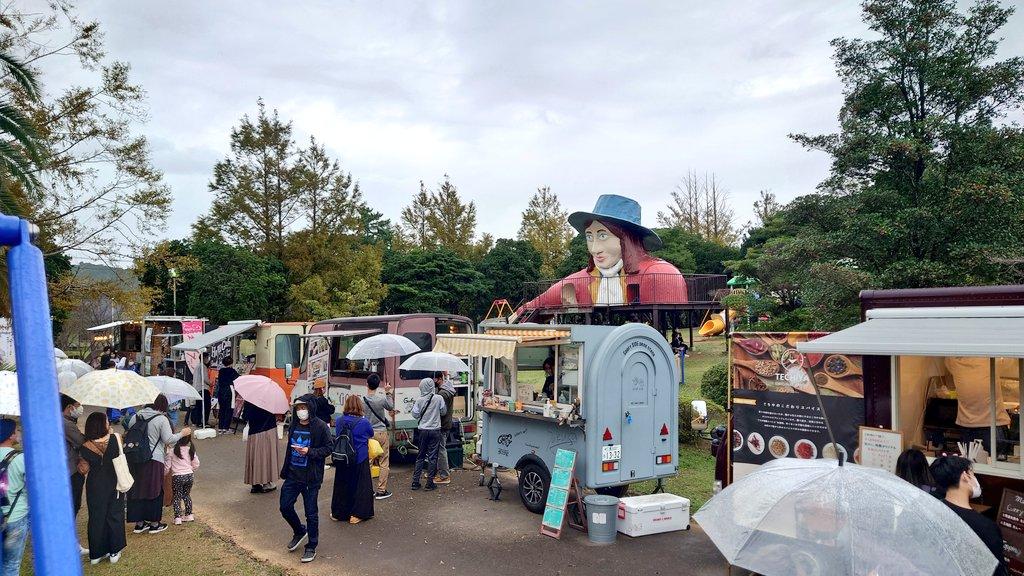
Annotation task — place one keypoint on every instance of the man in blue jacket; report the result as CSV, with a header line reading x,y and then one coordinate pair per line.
x,y
309,443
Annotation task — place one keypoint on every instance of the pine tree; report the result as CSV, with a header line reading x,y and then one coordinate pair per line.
x,y
414,219
452,223
546,228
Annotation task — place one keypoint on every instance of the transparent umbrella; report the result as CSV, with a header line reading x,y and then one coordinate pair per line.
x,y
75,365
9,405
814,517
174,389
435,362
382,346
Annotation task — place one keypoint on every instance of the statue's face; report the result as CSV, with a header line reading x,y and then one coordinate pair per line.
x,y
604,247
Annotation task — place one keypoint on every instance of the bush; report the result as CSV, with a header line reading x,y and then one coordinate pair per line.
x,y
714,384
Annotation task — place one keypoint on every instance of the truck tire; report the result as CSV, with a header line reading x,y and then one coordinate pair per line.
x,y
617,491
534,481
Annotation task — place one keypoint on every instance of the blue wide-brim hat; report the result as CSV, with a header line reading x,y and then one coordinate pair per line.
x,y
619,210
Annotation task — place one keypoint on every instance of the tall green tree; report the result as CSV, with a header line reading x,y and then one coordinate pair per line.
x,y
545,225
329,200
509,268
414,224
233,283
432,281
164,268
452,222
256,187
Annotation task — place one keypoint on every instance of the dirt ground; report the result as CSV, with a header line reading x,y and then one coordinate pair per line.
x,y
455,530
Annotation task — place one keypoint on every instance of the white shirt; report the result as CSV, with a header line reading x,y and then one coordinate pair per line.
x,y
609,291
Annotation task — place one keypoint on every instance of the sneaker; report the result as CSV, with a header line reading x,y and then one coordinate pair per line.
x,y
115,557
430,486
140,527
83,550
190,518
309,554
177,521
157,528
298,541
95,561
443,480
257,489
269,488
382,495
416,486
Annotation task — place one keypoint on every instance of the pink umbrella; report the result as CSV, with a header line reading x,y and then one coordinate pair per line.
x,y
262,392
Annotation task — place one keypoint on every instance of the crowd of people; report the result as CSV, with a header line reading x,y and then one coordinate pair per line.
x,y
952,479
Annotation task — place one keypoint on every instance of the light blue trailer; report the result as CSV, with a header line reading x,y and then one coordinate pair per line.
x,y
615,393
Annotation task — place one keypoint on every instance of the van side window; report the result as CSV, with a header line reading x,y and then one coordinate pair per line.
x,y
342,366
425,341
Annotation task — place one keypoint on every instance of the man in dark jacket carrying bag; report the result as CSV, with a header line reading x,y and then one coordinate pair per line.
x,y
309,443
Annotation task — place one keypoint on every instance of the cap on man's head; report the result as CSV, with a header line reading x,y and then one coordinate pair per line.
x,y
7,427
319,383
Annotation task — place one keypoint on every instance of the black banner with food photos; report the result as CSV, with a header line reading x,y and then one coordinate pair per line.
x,y
775,413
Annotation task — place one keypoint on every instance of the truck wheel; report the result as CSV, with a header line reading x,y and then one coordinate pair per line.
x,y
534,481
617,491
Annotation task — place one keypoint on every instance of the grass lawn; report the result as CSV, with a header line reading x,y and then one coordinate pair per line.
x,y
189,549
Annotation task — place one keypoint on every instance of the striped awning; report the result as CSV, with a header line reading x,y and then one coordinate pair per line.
x,y
477,345
525,334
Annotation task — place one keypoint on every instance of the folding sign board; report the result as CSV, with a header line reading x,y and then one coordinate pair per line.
x,y
553,520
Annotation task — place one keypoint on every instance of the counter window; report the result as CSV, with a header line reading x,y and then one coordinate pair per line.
x,y
504,375
943,401
535,373
568,373
342,366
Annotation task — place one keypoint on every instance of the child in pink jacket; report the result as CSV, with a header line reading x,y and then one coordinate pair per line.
x,y
182,462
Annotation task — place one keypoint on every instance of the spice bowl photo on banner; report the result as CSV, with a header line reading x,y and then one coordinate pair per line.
x,y
829,451
755,443
737,440
778,446
856,456
805,449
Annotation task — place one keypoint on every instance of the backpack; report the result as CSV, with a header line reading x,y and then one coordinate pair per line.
x,y
5,485
136,441
344,453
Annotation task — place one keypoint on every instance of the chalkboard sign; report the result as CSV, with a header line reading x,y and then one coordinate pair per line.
x,y
1011,524
558,494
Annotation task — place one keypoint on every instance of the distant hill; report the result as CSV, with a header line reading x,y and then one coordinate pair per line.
x,y
106,273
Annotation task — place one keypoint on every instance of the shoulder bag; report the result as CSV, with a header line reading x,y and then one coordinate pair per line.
x,y
124,475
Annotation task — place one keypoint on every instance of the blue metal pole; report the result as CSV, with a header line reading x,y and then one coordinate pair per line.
x,y
54,544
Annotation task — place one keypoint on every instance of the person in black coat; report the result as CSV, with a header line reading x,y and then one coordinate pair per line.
x,y
309,444
226,377
106,505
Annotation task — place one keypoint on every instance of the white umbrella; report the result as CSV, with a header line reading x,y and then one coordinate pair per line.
x,y
382,346
112,389
59,354
174,388
815,517
9,405
75,365
435,362
65,379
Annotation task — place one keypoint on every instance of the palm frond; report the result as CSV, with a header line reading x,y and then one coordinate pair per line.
x,y
18,166
23,75
20,127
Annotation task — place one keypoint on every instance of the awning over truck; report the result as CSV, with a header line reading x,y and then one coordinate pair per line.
x,y
108,325
339,333
226,331
481,345
979,331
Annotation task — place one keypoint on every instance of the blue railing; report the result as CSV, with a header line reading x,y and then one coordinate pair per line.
x,y
54,544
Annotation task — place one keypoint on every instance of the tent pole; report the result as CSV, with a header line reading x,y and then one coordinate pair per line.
x,y
828,425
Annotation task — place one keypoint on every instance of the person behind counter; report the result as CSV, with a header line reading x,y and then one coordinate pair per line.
x,y
912,466
955,475
549,378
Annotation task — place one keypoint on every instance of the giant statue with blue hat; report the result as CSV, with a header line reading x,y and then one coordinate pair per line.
x,y
620,269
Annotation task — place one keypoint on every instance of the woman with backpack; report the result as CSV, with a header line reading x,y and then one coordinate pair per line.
x,y
149,433
104,502
352,499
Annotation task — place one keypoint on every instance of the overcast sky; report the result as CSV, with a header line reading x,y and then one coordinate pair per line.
x,y
585,97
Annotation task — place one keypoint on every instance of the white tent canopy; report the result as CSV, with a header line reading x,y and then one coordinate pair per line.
x,y
979,331
229,330
108,325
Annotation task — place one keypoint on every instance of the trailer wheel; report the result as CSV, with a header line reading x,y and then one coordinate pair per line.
x,y
534,481
616,491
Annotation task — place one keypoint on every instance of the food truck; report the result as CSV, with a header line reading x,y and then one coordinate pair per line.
x,y
608,393
328,343
159,336
942,366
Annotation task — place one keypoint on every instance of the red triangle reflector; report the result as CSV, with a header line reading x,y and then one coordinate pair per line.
x,y
607,435
664,429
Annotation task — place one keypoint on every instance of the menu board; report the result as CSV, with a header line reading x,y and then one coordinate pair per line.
x,y
775,408
1011,524
558,494
880,448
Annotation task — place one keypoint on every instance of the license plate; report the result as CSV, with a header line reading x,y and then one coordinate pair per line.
x,y
609,453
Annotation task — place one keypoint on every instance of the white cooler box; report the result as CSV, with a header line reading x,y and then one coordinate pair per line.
x,y
653,514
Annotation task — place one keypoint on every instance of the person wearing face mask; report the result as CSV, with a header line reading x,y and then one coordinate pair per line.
x,y
106,505
309,444
955,475
73,440
15,501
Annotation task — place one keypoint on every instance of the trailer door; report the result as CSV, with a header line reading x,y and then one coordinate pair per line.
x,y
637,380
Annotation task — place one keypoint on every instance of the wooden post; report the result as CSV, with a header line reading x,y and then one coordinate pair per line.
x,y
689,321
